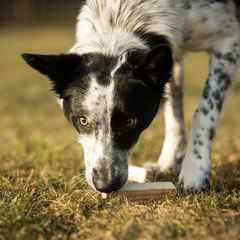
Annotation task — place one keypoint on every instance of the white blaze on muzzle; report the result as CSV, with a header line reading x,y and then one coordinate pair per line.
x,y
97,145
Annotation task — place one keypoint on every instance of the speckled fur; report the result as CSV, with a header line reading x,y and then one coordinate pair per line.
x,y
190,25
211,26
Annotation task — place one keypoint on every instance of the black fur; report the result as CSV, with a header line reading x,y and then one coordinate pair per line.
x,y
60,69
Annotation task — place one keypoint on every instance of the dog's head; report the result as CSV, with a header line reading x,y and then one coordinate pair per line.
x,y
109,101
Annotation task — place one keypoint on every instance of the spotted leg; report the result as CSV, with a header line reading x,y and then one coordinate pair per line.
x,y
174,143
196,167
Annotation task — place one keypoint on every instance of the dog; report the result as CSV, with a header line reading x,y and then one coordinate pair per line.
x,y
126,65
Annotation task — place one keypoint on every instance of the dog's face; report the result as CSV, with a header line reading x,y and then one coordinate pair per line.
x,y
109,101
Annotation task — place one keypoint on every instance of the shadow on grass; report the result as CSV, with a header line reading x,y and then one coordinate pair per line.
x,y
227,177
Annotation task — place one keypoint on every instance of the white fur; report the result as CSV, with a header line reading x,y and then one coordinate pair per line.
x,y
121,60
98,102
107,27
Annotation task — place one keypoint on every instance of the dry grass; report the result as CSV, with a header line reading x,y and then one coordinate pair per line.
x,y
43,194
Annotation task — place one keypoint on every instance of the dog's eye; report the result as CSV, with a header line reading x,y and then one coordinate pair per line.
x,y
131,123
83,121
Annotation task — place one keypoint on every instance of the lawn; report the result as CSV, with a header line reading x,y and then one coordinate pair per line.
x,y
43,193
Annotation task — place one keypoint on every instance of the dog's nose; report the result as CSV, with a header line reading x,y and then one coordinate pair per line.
x,y
105,184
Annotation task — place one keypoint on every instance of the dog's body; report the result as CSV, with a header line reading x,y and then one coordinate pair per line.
x,y
119,70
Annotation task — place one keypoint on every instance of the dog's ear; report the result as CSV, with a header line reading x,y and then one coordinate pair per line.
x,y
57,67
156,65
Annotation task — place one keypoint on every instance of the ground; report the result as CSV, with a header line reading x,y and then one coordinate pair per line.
x,y
43,193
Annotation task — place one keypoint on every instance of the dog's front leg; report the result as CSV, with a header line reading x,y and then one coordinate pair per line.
x,y
174,144
173,149
196,167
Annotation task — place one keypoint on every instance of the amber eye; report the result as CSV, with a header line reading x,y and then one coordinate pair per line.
x,y
83,121
131,123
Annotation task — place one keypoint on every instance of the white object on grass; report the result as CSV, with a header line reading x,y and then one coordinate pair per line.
x,y
137,174
144,191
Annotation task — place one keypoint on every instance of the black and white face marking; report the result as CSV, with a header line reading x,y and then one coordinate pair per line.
x,y
109,101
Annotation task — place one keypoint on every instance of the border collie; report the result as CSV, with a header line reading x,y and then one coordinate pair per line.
x,y
126,64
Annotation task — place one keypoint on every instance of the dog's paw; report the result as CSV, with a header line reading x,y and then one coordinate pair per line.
x,y
152,167
154,173
153,170
194,178
172,156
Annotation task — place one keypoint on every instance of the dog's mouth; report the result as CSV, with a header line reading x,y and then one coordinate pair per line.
x,y
105,179
105,196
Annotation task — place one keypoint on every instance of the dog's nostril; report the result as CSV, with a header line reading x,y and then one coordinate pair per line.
x,y
104,184
99,176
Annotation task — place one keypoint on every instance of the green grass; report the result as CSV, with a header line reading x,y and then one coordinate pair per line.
x,y
43,193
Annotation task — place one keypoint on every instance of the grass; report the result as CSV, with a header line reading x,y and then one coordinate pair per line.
x,y
43,193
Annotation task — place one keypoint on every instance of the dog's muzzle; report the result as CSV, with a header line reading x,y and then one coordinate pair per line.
x,y
107,180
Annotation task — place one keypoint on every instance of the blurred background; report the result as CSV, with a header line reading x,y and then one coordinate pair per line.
x,y
16,12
